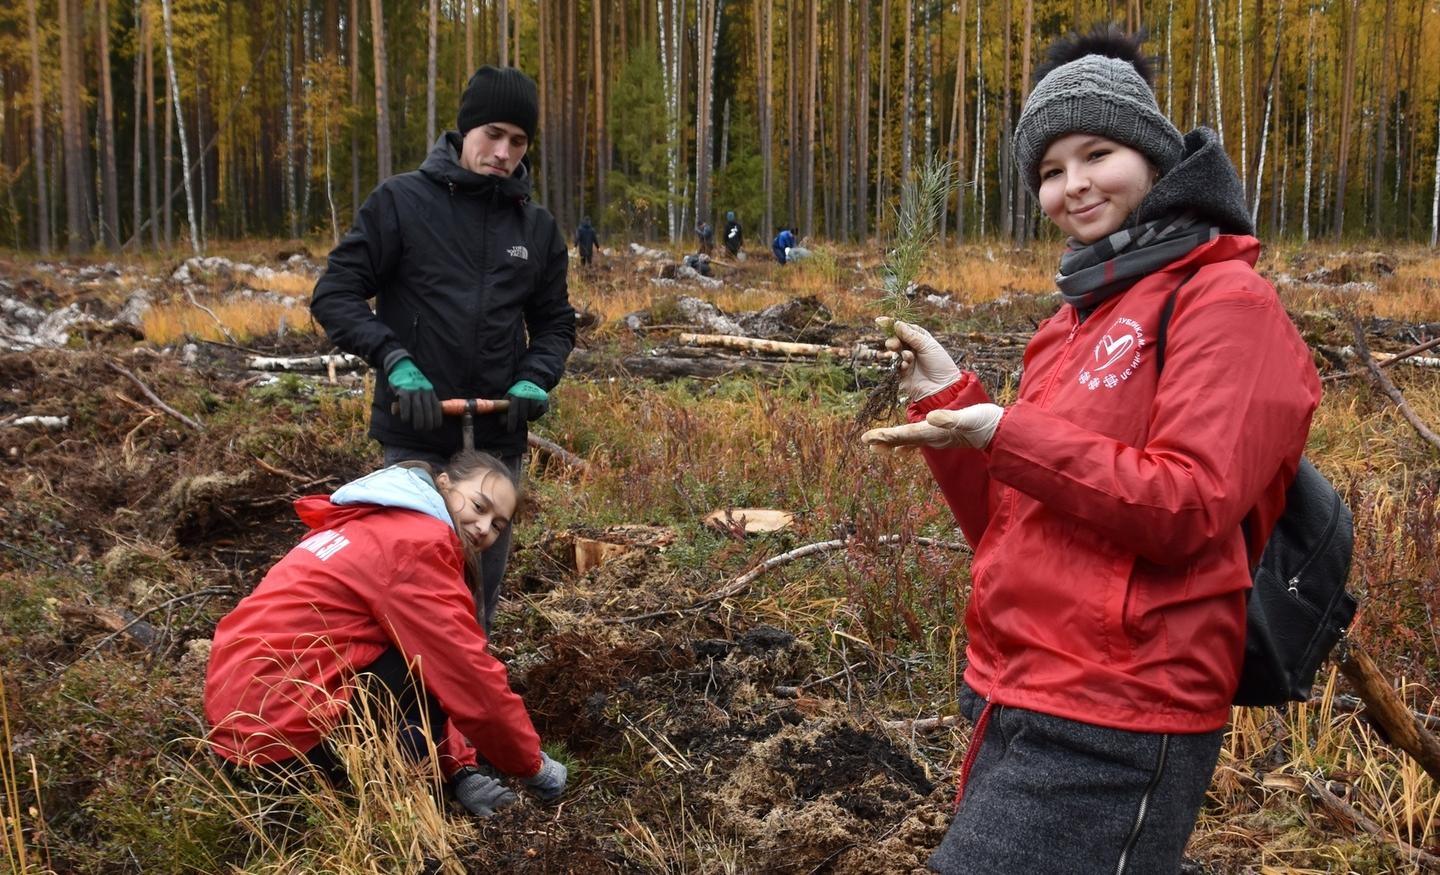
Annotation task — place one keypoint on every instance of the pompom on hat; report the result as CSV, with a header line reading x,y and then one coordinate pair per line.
x,y
1095,84
499,94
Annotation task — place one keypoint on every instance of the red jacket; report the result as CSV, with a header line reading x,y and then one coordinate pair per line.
x,y
366,577
1110,568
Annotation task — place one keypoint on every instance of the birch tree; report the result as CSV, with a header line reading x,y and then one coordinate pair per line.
x,y
180,124
957,125
1265,123
1243,99
1435,184
1309,127
1215,74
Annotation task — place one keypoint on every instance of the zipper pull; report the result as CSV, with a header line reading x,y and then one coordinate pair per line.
x,y
451,183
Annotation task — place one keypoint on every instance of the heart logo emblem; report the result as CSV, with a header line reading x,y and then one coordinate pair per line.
x,y
1110,350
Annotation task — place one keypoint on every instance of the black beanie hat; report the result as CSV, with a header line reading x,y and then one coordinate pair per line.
x,y
499,94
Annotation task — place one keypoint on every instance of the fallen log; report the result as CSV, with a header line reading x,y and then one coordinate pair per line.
x,y
1313,787
781,347
53,423
315,363
1389,710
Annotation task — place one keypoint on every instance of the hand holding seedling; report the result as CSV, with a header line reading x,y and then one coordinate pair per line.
x,y
971,427
925,366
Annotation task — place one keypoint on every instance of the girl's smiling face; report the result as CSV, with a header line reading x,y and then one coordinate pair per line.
x,y
1089,185
481,506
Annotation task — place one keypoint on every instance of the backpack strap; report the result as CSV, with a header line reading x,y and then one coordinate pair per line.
x,y
1164,328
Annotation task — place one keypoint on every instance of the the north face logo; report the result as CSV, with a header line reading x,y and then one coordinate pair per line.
x,y
518,251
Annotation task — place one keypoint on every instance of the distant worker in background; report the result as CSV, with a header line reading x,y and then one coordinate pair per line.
x,y
585,240
734,235
706,232
781,247
468,277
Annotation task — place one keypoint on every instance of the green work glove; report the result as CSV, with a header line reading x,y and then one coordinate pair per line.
x,y
528,402
419,405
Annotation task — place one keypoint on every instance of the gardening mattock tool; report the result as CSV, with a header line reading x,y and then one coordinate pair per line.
x,y
466,407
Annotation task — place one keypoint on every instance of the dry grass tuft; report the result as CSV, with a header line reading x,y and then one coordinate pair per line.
x,y
389,819
176,321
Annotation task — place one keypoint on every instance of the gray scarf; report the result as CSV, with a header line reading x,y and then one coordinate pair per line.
x,y
1091,273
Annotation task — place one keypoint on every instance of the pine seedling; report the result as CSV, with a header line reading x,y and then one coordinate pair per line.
x,y
917,221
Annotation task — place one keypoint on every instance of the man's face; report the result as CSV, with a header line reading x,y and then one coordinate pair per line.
x,y
494,148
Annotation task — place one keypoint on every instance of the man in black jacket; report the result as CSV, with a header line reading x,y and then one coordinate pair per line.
x,y
469,282
585,240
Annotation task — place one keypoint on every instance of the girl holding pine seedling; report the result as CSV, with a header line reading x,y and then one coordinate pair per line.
x,y
1114,507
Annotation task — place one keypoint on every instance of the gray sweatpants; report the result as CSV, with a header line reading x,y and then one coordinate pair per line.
x,y
497,556
1049,795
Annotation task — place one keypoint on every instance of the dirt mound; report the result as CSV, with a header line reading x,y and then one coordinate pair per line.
x,y
822,796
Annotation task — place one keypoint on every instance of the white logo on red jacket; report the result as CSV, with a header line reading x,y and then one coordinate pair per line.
x,y
1116,355
324,544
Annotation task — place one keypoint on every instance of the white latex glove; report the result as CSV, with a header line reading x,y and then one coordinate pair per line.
x,y
925,366
972,427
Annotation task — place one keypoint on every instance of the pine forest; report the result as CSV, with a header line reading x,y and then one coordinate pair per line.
x,y
809,113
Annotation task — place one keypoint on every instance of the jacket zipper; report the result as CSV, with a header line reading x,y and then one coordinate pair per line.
x,y
1144,806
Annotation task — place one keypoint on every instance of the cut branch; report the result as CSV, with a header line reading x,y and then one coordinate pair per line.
x,y
1378,377
923,725
1313,787
742,583
211,313
154,399
558,452
781,347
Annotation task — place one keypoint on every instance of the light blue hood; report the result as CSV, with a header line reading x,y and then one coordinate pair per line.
x,y
410,488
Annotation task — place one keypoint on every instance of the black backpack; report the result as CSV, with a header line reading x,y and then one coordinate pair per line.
x,y
1297,608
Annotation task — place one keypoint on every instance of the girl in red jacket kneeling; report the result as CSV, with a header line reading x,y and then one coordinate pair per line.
x,y
380,593
1114,508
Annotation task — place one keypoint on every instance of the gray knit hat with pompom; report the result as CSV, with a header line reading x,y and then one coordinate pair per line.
x,y
1094,94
